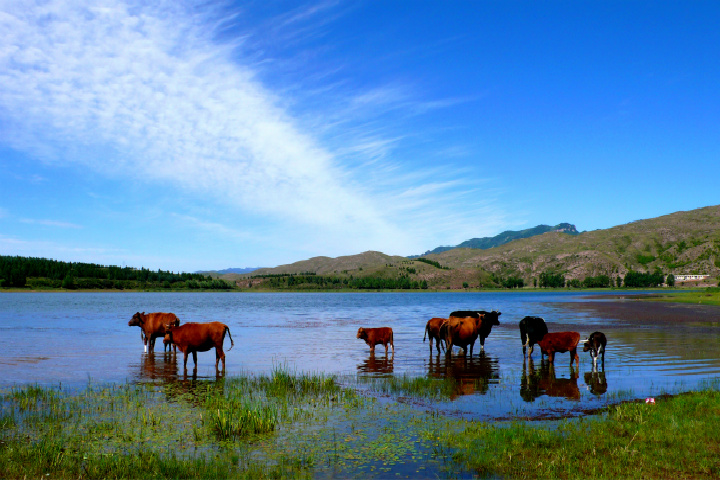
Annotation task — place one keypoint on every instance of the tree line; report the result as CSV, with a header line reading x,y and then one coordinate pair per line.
x,y
315,282
40,273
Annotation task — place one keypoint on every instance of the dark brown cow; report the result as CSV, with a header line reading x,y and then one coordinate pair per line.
x,y
375,336
433,330
560,342
153,325
464,327
200,337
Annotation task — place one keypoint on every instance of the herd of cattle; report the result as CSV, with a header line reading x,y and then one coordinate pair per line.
x,y
460,329
189,338
463,328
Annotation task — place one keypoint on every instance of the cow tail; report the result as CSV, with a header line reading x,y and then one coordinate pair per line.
x,y
426,332
232,344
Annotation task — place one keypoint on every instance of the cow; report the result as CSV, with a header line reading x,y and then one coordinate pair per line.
x,y
433,330
200,337
153,325
375,336
532,329
595,344
560,342
464,327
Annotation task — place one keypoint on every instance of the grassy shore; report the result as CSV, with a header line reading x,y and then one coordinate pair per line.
x,y
302,426
709,296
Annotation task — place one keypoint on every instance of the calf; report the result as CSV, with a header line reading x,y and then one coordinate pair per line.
x,y
532,329
375,336
200,337
433,330
153,325
595,344
560,342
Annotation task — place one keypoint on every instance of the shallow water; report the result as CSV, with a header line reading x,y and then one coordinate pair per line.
x,y
71,339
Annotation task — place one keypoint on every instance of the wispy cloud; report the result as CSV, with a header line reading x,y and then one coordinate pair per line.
x,y
50,223
146,92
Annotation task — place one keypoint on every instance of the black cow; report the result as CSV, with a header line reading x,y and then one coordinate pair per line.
x,y
532,330
596,345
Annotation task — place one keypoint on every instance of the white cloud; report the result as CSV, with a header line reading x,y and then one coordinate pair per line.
x,y
144,92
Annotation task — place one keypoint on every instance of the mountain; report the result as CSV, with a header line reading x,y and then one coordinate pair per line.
x,y
684,242
239,271
507,236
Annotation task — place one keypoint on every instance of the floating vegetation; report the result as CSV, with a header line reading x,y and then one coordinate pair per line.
x,y
286,425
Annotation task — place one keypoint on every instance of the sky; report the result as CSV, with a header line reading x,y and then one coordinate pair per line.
x,y
190,136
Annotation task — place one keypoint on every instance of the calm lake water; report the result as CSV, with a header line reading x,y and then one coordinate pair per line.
x,y
71,339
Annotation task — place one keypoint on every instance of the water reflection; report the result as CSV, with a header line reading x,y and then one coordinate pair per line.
x,y
596,382
536,383
379,366
473,375
164,367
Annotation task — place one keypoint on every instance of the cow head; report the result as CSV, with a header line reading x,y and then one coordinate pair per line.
x,y
361,333
492,317
137,320
586,345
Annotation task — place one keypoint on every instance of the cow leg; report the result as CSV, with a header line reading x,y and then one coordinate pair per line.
x,y
551,356
219,355
574,356
185,360
194,359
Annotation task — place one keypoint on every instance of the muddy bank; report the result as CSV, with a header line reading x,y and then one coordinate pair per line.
x,y
638,313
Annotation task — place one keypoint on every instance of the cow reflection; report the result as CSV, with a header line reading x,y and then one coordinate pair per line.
x,y
596,382
536,383
472,375
159,368
380,365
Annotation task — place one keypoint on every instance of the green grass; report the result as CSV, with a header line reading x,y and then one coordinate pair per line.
x,y
286,425
710,296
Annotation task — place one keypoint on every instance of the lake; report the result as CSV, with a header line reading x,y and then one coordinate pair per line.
x,y
70,339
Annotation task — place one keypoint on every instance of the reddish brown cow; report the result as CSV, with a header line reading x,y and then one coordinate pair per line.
x,y
463,328
433,330
375,336
200,337
560,342
153,325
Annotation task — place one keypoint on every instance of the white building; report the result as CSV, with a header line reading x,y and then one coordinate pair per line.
x,y
685,278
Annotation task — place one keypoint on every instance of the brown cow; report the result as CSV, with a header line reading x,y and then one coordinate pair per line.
x,y
375,336
464,327
200,337
153,326
560,342
433,330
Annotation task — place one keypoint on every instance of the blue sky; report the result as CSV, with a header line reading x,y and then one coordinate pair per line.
x,y
188,136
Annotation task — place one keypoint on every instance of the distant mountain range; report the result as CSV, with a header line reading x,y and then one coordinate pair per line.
x,y
507,236
239,271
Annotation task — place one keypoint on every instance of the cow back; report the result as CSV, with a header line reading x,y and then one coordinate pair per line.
x,y
559,341
199,336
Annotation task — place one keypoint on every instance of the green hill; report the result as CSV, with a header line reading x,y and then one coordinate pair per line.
x,y
678,243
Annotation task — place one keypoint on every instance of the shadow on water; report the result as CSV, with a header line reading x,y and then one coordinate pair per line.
x,y
472,375
380,366
543,382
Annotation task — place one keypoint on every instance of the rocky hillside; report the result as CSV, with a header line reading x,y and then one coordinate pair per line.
x,y
679,243
507,236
